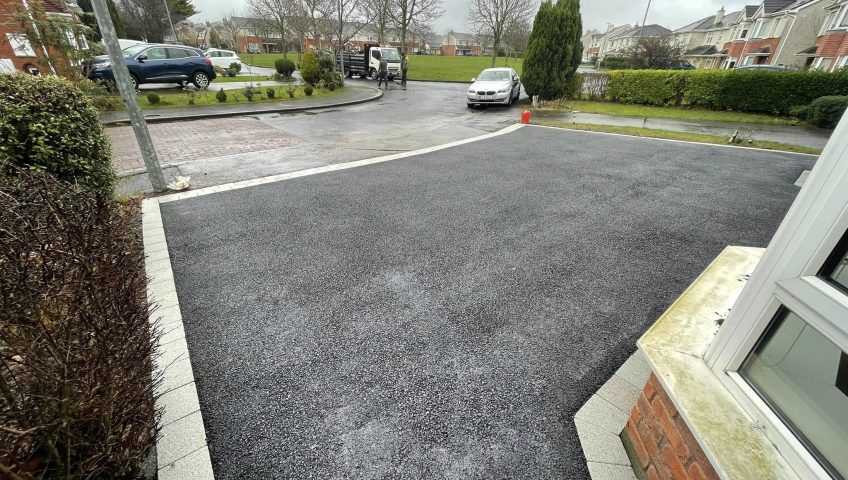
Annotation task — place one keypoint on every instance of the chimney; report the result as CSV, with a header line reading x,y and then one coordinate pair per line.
x,y
719,16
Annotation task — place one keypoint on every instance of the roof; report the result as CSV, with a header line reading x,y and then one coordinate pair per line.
x,y
771,6
54,6
702,50
750,10
701,24
646,31
463,36
808,51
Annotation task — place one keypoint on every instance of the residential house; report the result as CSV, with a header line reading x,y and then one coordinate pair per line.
x,y
830,51
703,41
461,44
602,44
774,32
18,53
621,43
591,47
432,45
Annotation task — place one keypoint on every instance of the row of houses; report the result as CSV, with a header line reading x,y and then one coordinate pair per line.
x,y
251,35
791,33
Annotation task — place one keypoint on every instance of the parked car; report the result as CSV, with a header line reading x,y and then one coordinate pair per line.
x,y
161,64
771,68
222,58
683,65
499,86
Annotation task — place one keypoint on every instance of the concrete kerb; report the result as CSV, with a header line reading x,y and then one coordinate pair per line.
x,y
182,450
210,114
602,418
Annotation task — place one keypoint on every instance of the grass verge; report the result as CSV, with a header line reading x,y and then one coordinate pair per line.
x,y
242,78
234,97
688,137
421,67
609,108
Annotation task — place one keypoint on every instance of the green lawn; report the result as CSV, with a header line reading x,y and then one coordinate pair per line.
x,y
421,67
672,135
170,99
609,108
240,78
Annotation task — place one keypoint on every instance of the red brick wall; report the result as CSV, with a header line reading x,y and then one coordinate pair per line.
x,y
662,440
740,48
8,9
832,45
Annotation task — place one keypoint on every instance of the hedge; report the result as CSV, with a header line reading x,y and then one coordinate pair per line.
x,y
826,112
76,344
49,125
648,87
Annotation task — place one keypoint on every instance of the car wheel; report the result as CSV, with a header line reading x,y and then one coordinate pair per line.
x,y
134,81
373,74
200,79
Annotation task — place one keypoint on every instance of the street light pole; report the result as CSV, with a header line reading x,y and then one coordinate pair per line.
x,y
644,20
125,87
168,12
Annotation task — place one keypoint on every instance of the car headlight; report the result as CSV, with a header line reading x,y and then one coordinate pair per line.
x,y
472,91
504,90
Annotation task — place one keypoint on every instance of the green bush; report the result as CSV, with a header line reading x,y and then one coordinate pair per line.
x,y
325,63
331,86
647,87
153,98
331,78
552,57
270,93
799,111
75,334
307,90
825,112
284,67
48,125
309,69
236,67
573,87
291,91
249,92
616,63
221,96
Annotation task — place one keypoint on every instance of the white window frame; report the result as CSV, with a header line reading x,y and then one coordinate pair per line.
x,y
838,18
759,27
20,45
787,275
840,62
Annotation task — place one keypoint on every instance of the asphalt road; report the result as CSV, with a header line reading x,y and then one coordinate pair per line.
x,y
444,316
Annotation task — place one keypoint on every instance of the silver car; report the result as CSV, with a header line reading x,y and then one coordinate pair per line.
x,y
494,86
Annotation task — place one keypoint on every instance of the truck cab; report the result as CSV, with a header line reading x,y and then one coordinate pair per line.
x,y
367,62
392,59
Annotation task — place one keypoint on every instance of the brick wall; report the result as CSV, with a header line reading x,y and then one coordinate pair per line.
x,y
662,440
832,45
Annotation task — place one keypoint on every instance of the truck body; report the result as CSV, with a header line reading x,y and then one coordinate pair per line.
x,y
367,62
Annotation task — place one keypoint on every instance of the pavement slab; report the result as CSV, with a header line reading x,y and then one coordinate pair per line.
x,y
446,315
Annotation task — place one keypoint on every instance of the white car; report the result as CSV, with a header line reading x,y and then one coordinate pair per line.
x,y
222,58
494,86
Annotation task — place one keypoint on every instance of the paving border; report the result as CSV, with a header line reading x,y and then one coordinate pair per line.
x,y
181,449
602,418
376,95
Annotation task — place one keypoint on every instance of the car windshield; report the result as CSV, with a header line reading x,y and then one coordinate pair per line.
x,y
390,54
493,76
134,50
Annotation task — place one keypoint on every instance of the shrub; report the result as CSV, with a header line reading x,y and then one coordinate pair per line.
x,y
573,87
231,73
325,63
284,67
104,95
616,63
221,96
647,87
291,91
331,78
552,53
825,112
75,338
307,90
309,69
50,126
799,111
270,93
331,86
249,92
235,67
153,98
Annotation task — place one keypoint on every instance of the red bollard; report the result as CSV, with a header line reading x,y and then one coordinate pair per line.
x,y
525,116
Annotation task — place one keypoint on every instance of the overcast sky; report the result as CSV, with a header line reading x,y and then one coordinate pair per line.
x,y
596,13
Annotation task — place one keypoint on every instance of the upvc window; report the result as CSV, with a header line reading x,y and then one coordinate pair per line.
x,y
839,20
823,63
20,45
841,62
783,349
759,28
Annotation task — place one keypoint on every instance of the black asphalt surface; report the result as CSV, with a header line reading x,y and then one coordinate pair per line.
x,y
444,316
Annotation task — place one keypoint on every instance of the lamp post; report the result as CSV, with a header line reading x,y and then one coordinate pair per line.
x,y
645,19
168,12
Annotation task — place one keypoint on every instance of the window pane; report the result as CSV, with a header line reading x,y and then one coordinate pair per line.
x,y
803,376
177,53
836,268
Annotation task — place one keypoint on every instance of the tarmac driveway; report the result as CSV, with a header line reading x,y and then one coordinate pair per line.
x,y
444,316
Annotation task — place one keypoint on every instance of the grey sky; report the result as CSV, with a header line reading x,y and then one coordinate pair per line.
x,y
596,13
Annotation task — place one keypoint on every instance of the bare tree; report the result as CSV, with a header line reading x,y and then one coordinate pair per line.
x,y
405,13
273,14
232,29
516,36
491,18
378,11
655,53
420,33
347,18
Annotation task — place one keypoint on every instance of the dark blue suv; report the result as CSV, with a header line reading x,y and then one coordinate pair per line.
x,y
159,64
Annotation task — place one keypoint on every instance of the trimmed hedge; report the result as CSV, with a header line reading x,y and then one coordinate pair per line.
x,y
741,90
49,125
309,68
648,87
284,67
826,112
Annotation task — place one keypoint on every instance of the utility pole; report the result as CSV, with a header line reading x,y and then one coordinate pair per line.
x,y
645,20
168,12
125,86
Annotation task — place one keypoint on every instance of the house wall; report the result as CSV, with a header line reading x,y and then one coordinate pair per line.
x,y
8,9
801,35
666,448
